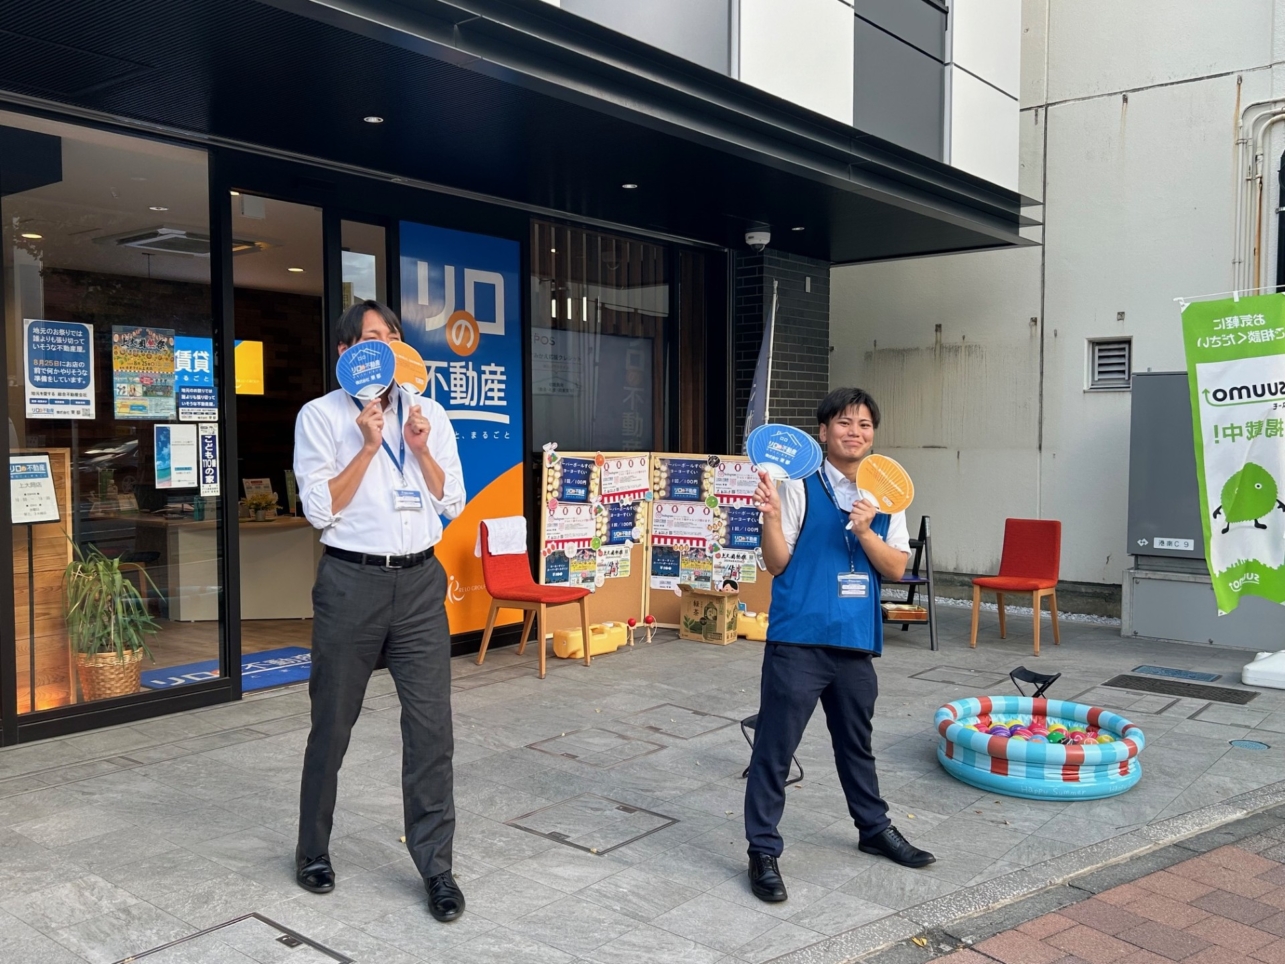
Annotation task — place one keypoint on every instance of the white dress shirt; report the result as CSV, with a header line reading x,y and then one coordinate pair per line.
x,y
326,439
794,502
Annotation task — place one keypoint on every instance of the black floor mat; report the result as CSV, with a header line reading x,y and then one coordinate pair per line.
x,y
1170,687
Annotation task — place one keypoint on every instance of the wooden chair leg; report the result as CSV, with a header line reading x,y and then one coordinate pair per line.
x,y
527,619
584,629
1057,640
1035,604
486,633
977,605
1003,627
540,638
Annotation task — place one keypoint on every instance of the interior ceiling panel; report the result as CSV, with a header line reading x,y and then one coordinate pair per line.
x,y
252,72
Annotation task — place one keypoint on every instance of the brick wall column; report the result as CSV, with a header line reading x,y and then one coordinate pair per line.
x,y
801,350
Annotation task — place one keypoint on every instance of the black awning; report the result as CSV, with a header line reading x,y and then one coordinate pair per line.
x,y
511,99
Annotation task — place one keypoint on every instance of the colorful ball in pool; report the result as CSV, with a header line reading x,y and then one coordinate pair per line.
x,y
1039,738
999,731
1105,738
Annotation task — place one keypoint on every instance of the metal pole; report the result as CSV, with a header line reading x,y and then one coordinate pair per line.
x,y
31,621
771,344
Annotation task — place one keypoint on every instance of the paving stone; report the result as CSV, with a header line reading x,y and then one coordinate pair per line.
x,y
1014,947
1233,906
1166,941
1230,934
1165,910
1102,916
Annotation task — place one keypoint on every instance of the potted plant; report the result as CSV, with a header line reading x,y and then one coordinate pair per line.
x,y
107,624
261,505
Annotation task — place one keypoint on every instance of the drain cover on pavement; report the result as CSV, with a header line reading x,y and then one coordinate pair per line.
x,y
251,937
1177,673
961,674
1195,691
1250,745
679,722
596,747
592,823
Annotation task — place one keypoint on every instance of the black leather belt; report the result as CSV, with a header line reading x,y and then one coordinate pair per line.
x,y
384,562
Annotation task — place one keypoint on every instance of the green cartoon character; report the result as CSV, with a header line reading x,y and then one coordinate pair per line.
x,y
1249,495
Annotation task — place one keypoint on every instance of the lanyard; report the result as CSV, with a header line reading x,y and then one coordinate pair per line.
x,y
400,463
849,539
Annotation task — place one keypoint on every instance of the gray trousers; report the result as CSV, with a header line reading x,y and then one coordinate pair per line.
x,y
359,612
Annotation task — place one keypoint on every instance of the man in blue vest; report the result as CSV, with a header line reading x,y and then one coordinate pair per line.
x,y
827,547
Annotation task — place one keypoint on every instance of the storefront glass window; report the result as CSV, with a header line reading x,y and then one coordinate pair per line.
x,y
112,395
600,330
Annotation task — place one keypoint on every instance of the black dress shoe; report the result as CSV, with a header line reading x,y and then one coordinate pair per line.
x,y
765,879
445,899
315,874
898,849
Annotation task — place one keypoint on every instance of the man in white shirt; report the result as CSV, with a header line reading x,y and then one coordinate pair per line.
x,y
828,549
375,479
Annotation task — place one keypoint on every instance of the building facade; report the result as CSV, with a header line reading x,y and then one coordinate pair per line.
x,y
555,199
1007,374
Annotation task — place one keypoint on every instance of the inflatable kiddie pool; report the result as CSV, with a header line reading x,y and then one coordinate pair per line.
x,y
1035,763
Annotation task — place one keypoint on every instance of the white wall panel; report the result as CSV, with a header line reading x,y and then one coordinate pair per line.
x,y
986,40
800,50
1099,46
983,129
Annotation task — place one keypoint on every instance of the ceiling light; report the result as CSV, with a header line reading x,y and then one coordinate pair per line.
x,y
158,207
629,187
373,119
799,228
553,251
32,236
295,270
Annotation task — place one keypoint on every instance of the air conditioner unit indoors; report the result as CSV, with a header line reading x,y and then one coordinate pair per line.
x,y
175,241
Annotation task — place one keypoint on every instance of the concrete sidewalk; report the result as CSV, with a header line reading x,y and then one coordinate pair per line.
x,y
600,814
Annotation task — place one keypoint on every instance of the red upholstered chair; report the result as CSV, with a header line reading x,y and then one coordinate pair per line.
x,y
1029,564
508,580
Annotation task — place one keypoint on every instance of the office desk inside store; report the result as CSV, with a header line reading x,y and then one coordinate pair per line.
x,y
278,562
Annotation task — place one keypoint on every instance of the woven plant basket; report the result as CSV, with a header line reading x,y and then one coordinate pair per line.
x,y
103,675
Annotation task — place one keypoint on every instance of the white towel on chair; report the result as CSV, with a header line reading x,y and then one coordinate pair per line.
x,y
505,537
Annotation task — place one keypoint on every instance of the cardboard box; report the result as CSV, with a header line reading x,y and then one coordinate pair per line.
x,y
902,613
708,617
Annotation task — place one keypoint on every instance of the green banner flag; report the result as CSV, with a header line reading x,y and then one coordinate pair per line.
x,y
1236,370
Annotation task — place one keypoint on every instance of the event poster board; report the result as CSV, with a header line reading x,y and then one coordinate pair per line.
x,y
705,530
143,372
593,532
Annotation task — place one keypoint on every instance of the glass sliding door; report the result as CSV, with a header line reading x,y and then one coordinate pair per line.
x,y
112,387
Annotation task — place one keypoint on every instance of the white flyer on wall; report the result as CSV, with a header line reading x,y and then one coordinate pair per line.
x,y
58,365
735,481
176,456
615,562
570,526
32,497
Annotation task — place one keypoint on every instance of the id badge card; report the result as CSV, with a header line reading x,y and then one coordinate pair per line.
x,y
408,500
854,585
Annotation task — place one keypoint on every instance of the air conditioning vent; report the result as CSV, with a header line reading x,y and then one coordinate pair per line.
x,y
1111,363
175,241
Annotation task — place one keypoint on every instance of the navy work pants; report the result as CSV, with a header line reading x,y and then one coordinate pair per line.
x,y
794,679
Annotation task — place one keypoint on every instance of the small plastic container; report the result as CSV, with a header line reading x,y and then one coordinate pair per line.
x,y
603,638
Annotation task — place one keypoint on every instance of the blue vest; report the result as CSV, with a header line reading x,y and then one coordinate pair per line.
x,y
806,607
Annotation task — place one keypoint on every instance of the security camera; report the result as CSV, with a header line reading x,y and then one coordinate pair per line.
x,y
758,240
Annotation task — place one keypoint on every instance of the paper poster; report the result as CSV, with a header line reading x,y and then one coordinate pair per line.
x,y
681,480
557,569
664,568
695,568
574,476
615,562
197,398
176,456
58,359
256,487
32,497
743,528
625,479
143,372
682,524
570,526
624,523
1236,371
584,569
735,481
208,444
739,565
